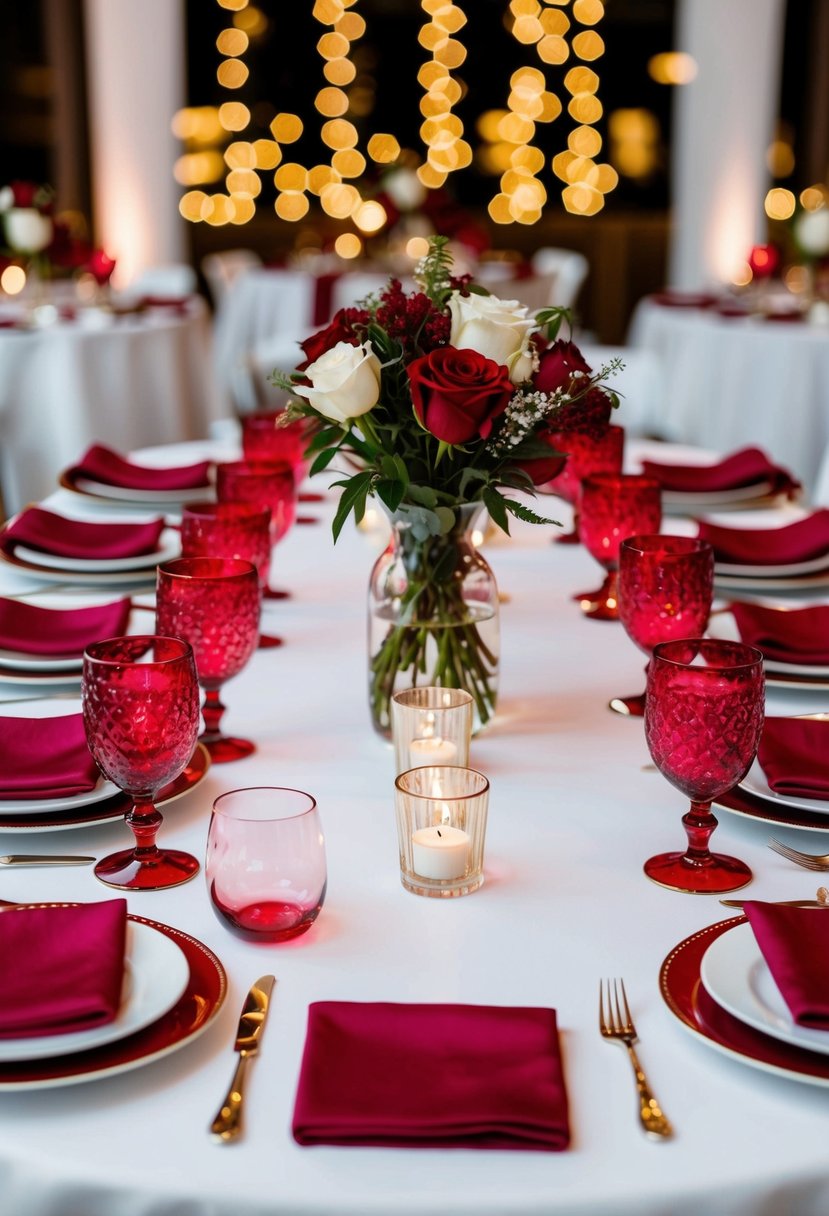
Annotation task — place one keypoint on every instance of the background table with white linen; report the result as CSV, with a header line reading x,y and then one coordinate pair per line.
x,y
575,809
126,381
728,381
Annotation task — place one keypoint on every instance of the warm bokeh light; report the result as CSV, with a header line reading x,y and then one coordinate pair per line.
x,y
742,276
196,167
232,73
588,45
232,42
291,206
286,128
634,142
233,5
339,71
672,67
234,116
339,133
814,197
780,158
240,155
417,247
218,209
797,279
190,205
252,20
331,102
13,280
291,176
198,125
370,216
348,245
584,141
582,199
384,149
320,176
779,204
267,153
430,177
588,12
339,200
243,183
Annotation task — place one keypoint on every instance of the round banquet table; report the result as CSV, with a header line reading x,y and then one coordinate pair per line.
x,y
127,381
575,809
728,381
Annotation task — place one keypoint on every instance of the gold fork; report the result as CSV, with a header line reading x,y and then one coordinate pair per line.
x,y
809,861
620,1029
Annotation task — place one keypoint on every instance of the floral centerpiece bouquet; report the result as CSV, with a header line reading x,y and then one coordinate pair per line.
x,y
439,403
26,209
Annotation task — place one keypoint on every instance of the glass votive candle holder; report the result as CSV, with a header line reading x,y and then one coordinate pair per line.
x,y
265,868
431,726
441,826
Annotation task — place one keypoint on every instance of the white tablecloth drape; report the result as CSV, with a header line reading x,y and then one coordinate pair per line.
x,y
730,381
575,809
130,383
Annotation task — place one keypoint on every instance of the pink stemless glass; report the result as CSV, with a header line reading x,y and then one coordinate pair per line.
x,y
703,720
613,507
666,584
213,603
585,455
230,529
267,485
265,865
141,716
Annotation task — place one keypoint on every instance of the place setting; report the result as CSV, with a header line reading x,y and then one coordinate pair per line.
x,y
791,557
105,476
745,479
791,635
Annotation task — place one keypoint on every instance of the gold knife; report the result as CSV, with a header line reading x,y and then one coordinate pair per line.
x,y
43,859
227,1125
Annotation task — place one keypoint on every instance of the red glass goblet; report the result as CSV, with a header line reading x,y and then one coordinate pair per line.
x,y
666,584
141,716
212,602
267,439
230,529
613,507
703,720
267,485
585,455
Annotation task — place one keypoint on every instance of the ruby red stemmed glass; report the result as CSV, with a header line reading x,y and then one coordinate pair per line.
x,y
267,439
613,507
213,603
266,485
230,529
666,584
703,721
141,716
586,454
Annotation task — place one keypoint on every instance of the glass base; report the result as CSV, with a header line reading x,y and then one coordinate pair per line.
x,y
602,605
267,920
267,641
226,748
717,875
307,519
629,707
127,872
310,496
273,593
441,888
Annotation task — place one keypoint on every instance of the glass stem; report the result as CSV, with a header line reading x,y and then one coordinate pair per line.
x,y
212,711
699,824
144,821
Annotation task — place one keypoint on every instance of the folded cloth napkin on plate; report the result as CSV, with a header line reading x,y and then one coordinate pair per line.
x,y
30,629
796,635
743,468
798,542
431,1076
100,463
62,537
61,969
792,754
795,944
45,758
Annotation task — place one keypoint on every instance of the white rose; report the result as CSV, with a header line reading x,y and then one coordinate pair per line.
x,y
345,382
405,190
812,232
27,231
498,329
6,198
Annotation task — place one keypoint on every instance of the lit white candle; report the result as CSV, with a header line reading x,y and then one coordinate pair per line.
x,y
440,852
432,750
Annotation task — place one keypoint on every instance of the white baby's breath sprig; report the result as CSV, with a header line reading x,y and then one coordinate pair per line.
x,y
525,410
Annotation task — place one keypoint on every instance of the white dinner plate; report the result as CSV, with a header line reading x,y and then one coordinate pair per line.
x,y
722,625
155,976
814,565
761,584
18,660
737,976
51,707
138,498
714,500
755,783
169,546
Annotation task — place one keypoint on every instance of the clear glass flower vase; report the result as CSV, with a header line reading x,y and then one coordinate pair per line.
x,y
432,616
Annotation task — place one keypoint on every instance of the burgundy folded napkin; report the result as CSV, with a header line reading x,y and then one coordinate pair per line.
x,y
100,463
45,758
797,542
431,1076
743,468
61,969
62,537
797,635
795,944
794,755
31,629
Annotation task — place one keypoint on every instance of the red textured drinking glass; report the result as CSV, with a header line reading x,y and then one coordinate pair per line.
x,y
265,866
266,438
267,485
613,507
230,529
586,454
666,584
703,720
213,603
141,717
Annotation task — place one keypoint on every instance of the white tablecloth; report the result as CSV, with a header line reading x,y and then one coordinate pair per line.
x,y
135,381
575,810
731,381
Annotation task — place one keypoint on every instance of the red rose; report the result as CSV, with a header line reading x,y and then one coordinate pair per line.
x,y
458,393
339,329
556,367
542,469
24,193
